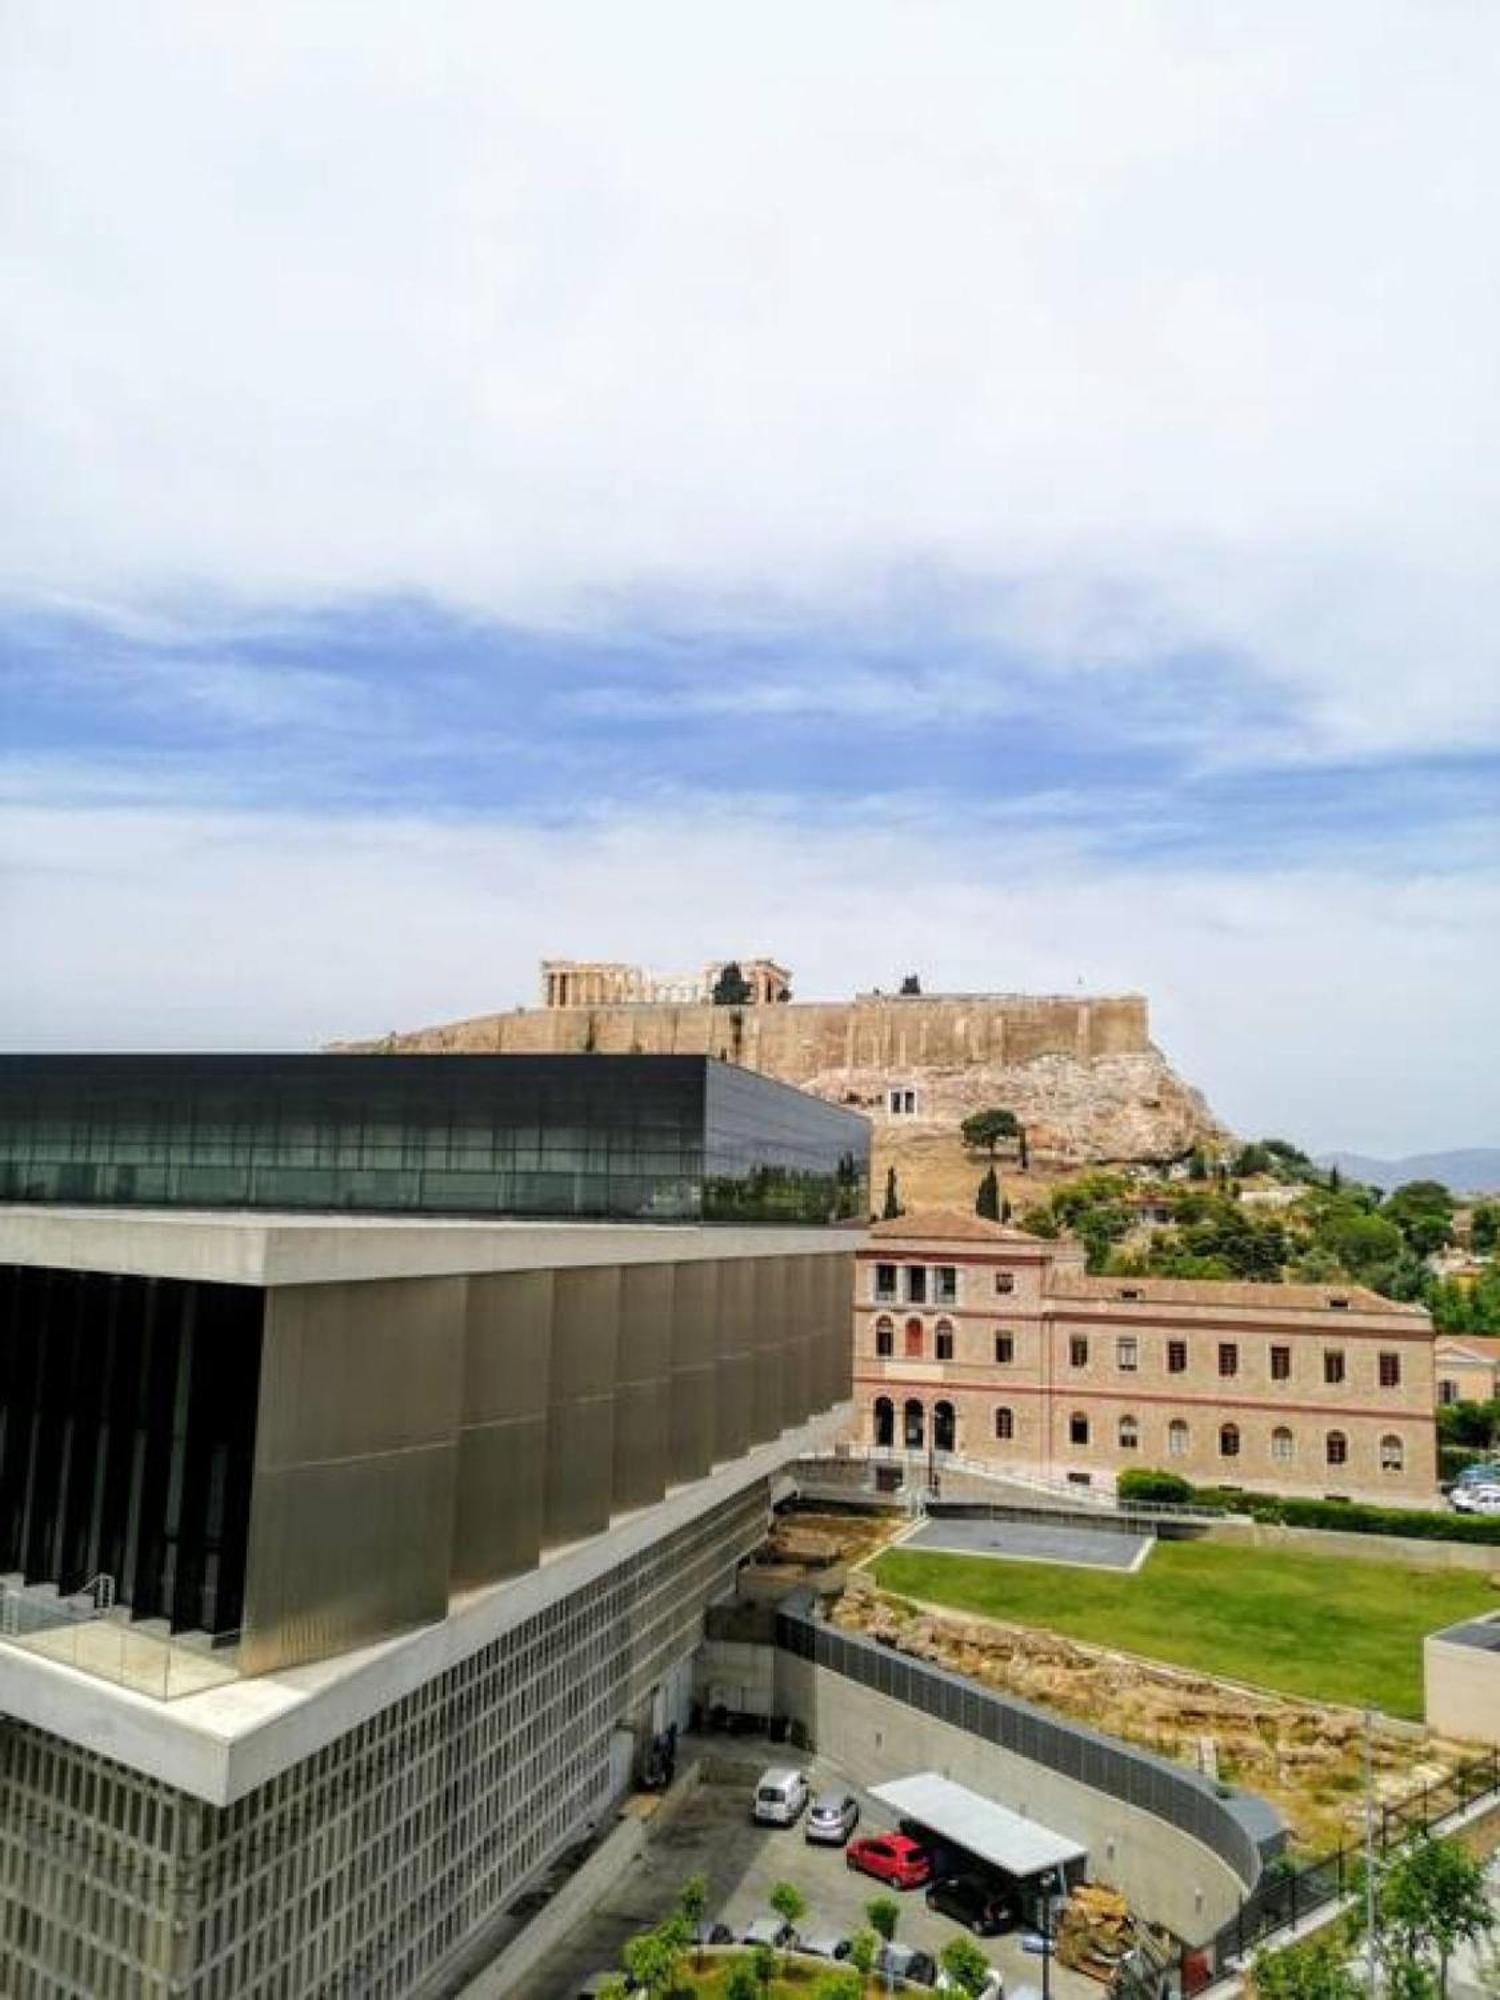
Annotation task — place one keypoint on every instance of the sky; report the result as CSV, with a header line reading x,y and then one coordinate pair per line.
x,y
1006,491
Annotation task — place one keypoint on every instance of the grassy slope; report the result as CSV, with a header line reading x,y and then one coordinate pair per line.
x,y
1328,1628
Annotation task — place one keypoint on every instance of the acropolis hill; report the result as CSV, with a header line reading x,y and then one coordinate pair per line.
x,y
1080,1072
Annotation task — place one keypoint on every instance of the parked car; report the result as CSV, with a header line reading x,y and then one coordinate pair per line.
x,y
903,1961
831,1818
1479,1475
982,1906
774,1931
708,1933
780,1796
1475,1499
891,1857
825,1944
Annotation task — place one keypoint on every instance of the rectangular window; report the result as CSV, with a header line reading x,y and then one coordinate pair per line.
x,y
1078,1429
947,1284
1005,1281
1177,1357
1078,1351
885,1281
1229,1357
1447,1391
1127,1355
1005,1349
916,1284
1390,1371
1333,1365
1281,1364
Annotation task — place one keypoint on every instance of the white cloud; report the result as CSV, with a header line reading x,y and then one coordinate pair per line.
x,y
1180,316
1336,1008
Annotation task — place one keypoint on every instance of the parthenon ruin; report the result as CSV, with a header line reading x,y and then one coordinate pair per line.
x,y
577,982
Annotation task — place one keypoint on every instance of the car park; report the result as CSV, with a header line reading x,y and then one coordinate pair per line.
x,y
891,1857
979,1904
780,1797
824,1944
831,1818
904,1961
774,1931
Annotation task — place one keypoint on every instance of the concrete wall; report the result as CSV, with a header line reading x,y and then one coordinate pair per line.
x,y
1462,1689
1167,1875
799,1040
440,1433
1405,1549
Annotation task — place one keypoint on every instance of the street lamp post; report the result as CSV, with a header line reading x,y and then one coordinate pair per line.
x,y
1046,1929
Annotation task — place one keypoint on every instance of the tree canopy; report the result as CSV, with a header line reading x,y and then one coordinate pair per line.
x,y
731,988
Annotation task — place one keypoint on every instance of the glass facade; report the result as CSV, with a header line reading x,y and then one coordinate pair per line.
x,y
653,1138
127,1431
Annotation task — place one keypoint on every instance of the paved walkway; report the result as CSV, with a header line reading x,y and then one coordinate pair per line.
x,y
1020,1541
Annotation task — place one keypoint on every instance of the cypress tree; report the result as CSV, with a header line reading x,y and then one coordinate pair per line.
x,y
892,1198
987,1201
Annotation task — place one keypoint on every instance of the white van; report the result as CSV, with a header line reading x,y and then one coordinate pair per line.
x,y
780,1795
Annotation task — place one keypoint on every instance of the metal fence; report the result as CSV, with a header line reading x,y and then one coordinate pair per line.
x,y
1287,1896
1243,1831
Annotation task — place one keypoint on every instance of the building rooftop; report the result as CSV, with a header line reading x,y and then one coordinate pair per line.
x,y
1483,1346
949,1225
1227,1292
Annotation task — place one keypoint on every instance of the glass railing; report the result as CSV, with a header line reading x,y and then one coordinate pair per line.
x,y
76,1633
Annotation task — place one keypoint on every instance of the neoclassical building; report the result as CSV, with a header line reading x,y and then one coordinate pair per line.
x,y
979,1340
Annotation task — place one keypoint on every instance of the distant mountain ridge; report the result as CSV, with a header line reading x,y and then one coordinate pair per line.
x,y
1467,1169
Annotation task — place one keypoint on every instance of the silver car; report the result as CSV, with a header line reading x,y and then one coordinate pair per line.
x,y
831,1818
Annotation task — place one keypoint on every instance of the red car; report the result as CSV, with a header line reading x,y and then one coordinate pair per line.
x,y
891,1857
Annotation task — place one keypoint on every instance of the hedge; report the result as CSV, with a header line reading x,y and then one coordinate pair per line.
x,y
1349,1517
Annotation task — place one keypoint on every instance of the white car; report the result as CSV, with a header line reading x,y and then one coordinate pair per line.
x,y
1476,1499
780,1796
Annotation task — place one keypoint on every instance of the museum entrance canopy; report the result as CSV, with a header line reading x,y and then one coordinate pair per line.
x,y
654,1138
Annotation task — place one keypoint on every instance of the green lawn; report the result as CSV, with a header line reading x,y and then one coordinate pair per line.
x,y
1331,1628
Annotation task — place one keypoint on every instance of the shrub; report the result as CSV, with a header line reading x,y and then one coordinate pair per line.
x,y
1142,1484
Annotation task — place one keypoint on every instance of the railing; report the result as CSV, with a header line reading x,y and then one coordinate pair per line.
x,y
1287,1896
76,1632
1104,1505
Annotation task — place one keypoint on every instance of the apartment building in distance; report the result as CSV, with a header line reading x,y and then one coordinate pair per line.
x,y
976,1339
1468,1368
373,1436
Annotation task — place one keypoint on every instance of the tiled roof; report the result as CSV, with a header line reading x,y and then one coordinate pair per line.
x,y
1486,1346
1226,1292
950,1225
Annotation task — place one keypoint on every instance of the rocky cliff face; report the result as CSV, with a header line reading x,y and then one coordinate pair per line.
x,y
1082,1074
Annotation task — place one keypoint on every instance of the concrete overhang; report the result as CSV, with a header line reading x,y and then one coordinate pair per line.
x,y
244,1247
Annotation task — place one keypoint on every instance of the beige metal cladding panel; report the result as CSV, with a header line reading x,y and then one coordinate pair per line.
x,y
835,1296
508,1345
497,1525
735,1388
357,1367
581,1405
644,1385
695,1368
797,1369
768,1327
344,1552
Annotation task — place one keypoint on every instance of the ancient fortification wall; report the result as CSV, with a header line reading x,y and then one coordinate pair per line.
x,y
802,1040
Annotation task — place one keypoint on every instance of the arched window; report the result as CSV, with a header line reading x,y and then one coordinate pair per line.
x,y
1337,1448
1177,1438
914,1424
1130,1434
885,1422
943,1340
944,1426
1283,1445
885,1336
913,1339
1229,1440
1005,1424
1392,1453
